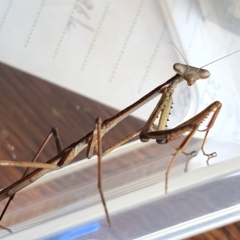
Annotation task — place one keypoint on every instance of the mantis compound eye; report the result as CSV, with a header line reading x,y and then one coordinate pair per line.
x,y
203,73
180,68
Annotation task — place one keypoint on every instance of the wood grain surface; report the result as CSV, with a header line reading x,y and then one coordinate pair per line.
x,y
229,232
30,107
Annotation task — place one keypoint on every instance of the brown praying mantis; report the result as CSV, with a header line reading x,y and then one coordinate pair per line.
x,y
93,140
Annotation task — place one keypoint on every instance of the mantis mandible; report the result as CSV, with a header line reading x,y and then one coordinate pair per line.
x,y
93,140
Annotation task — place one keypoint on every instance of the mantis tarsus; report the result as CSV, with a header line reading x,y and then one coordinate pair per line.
x,y
93,140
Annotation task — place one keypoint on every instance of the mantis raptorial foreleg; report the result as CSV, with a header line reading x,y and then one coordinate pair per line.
x,y
191,126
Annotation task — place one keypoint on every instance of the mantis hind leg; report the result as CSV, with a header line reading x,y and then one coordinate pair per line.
x,y
53,132
97,136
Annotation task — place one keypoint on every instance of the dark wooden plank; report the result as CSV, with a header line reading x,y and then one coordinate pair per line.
x,y
231,231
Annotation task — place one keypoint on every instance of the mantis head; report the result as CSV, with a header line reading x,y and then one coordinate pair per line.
x,y
190,74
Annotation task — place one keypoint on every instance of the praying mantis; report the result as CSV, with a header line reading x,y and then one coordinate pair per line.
x,y
93,140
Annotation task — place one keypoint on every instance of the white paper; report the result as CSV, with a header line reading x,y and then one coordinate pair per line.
x,y
111,51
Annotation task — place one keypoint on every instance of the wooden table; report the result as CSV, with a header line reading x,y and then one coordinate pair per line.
x,y
31,107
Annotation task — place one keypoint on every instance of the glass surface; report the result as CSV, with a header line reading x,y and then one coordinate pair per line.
x,y
135,198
